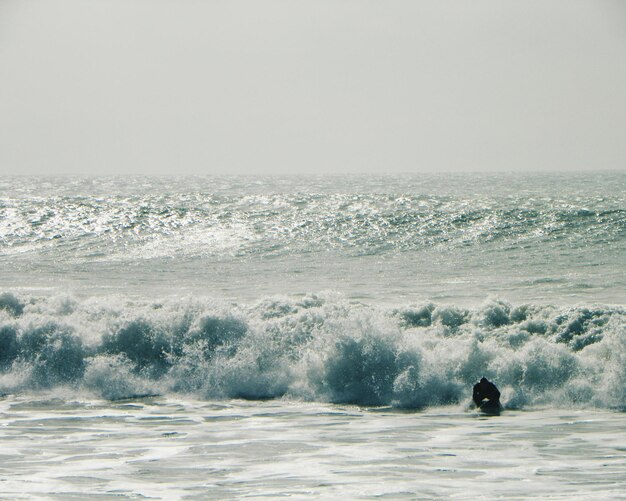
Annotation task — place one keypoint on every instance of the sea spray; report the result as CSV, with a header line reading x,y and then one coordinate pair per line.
x,y
321,348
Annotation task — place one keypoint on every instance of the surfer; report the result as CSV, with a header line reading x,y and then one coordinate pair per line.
x,y
486,395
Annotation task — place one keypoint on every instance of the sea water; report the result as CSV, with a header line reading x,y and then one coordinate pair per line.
x,y
194,338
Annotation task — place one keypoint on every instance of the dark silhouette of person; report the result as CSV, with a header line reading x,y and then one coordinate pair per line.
x,y
486,390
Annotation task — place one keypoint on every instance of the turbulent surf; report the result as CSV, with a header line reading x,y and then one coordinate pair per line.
x,y
215,287
317,348
223,337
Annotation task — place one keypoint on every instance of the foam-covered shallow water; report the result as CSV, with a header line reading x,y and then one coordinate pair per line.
x,y
60,447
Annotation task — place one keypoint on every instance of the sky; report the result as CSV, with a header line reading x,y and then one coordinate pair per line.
x,y
207,87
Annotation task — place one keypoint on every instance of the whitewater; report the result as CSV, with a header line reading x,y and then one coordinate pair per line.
x,y
313,337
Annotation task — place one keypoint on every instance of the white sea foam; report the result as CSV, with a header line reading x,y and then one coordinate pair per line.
x,y
120,378
319,348
160,448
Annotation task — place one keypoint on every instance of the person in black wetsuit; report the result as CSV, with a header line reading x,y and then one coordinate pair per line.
x,y
486,390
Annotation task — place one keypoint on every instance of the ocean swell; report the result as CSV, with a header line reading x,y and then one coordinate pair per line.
x,y
194,219
319,348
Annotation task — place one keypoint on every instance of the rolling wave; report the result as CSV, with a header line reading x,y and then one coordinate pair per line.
x,y
193,218
319,348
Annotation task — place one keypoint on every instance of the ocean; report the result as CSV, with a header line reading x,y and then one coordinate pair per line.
x,y
313,337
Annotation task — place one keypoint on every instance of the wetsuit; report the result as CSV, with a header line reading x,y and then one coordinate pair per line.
x,y
485,390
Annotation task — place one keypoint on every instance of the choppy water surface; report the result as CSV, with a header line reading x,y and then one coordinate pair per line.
x,y
455,238
185,338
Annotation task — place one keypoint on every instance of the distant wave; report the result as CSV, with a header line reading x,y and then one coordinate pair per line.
x,y
150,224
316,348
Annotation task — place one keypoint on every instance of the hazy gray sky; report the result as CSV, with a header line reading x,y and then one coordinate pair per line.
x,y
303,86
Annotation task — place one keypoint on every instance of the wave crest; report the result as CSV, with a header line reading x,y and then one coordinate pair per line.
x,y
320,347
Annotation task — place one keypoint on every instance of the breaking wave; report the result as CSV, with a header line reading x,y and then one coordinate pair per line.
x,y
317,348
